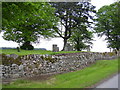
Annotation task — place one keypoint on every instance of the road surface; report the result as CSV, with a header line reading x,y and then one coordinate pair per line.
x,y
111,83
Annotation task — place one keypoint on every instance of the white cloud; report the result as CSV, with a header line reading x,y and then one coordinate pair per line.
x,y
100,3
99,45
48,43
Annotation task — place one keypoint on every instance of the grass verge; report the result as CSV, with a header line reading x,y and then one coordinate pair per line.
x,y
78,79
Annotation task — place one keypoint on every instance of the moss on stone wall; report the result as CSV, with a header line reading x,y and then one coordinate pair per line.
x,y
49,59
10,60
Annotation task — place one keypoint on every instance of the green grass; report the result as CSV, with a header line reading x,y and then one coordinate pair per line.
x,y
26,52
0,50
78,79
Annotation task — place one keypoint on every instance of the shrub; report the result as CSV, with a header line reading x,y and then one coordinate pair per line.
x,y
111,53
27,46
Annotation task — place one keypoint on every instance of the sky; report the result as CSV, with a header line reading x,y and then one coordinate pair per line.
x,y
99,44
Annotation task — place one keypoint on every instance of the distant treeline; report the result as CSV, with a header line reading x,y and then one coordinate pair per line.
x,y
15,48
7,48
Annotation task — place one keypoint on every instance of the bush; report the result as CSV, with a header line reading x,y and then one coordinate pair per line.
x,y
27,46
111,53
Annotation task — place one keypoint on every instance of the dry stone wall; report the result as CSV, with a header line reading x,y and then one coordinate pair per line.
x,y
31,65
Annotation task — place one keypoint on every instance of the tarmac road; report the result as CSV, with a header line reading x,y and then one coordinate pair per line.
x,y
111,83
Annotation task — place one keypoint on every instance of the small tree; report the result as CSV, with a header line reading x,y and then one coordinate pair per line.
x,y
108,21
81,38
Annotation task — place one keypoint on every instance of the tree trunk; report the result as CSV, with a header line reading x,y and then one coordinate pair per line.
x,y
18,49
65,42
78,49
117,48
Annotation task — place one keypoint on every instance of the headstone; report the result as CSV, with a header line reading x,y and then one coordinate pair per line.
x,y
88,49
68,47
55,48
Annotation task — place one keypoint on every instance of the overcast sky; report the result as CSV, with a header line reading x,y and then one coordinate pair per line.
x,y
99,45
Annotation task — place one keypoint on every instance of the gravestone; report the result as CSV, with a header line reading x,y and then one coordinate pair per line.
x,y
88,48
68,47
55,48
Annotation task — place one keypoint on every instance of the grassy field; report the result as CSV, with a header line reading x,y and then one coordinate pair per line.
x,y
78,79
26,52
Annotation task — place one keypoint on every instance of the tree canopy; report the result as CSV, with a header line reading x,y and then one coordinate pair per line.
x,y
27,21
71,15
108,21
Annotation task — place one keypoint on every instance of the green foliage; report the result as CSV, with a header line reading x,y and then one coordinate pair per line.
x,y
112,53
81,38
78,79
108,21
27,21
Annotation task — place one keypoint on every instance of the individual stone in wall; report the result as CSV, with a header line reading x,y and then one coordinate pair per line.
x,y
14,56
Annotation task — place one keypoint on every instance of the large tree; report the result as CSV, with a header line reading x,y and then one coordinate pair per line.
x,y
71,14
25,22
108,21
